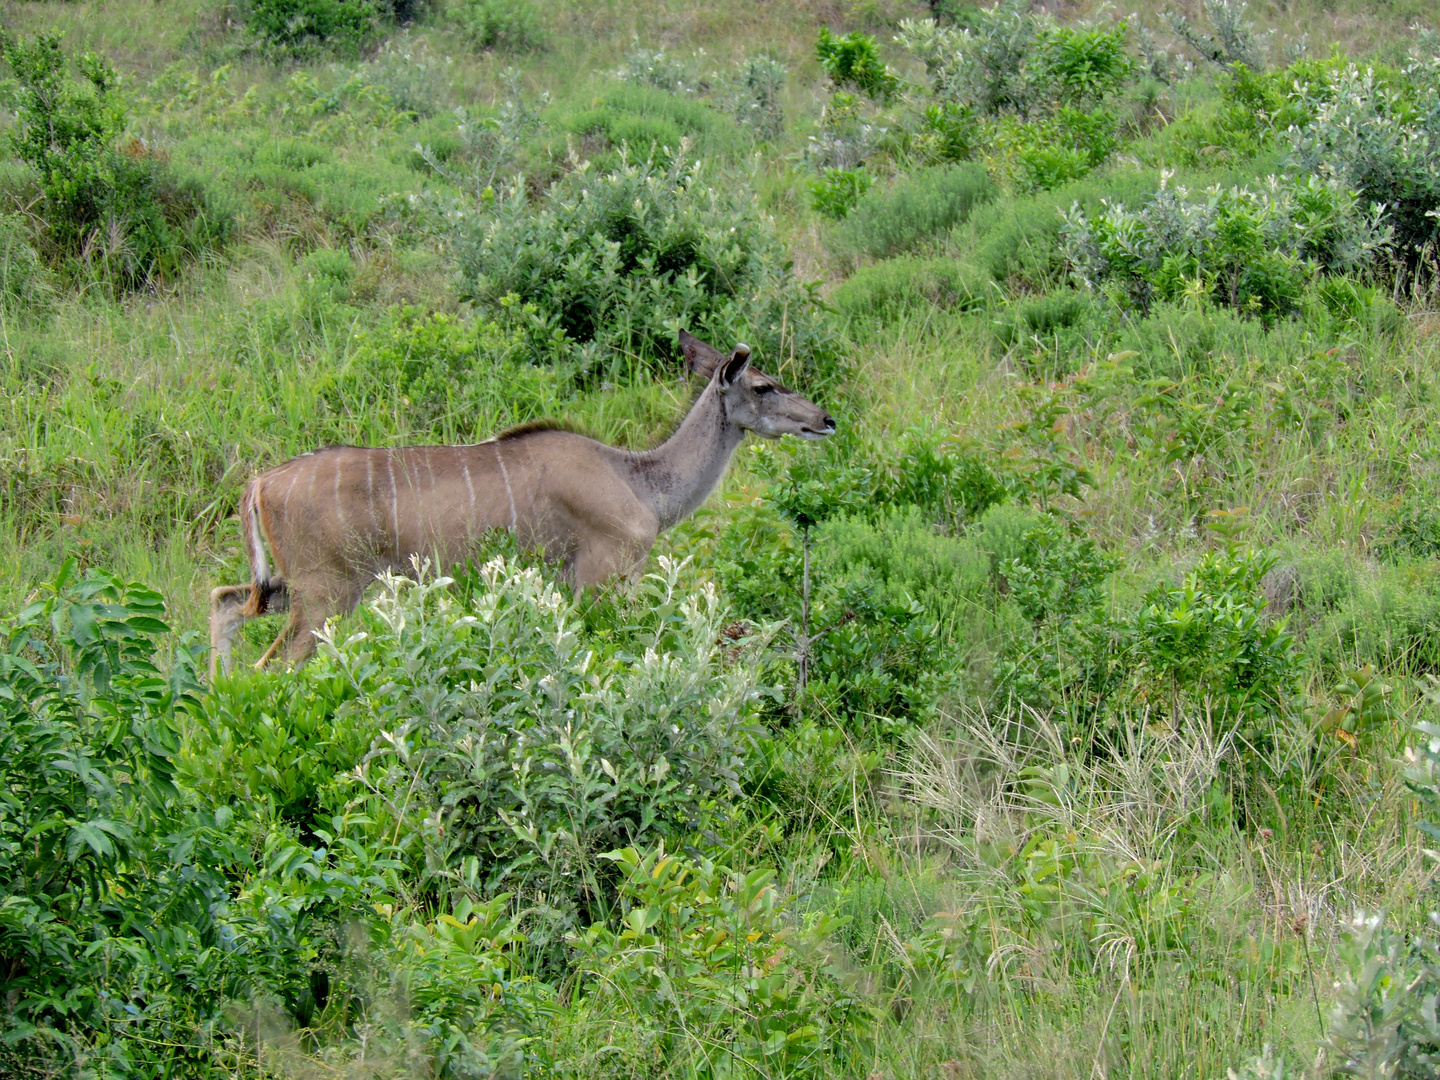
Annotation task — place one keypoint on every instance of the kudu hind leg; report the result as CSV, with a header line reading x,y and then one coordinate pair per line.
x,y
307,615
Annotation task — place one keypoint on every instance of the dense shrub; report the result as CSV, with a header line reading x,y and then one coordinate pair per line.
x,y
895,218
301,26
1036,94
1253,251
507,26
517,751
1370,129
854,61
95,853
1383,141
111,208
616,263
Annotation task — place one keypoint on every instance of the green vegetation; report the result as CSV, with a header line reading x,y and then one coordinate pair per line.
x,y
1071,712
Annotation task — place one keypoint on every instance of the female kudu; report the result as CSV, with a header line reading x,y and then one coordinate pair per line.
x,y
335,518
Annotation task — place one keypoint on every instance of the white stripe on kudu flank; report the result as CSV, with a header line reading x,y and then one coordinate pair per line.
x,y
469,486
506,477
370,490
339,508
285,503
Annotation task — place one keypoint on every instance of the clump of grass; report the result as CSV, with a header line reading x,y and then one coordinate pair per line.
x,y
898,217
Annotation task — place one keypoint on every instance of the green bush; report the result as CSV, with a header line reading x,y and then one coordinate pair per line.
x,y
889,220
111,209
303,26
1036,93
885,290
835,192
111,888
616,263
709,958
1252,251
507,26
517,750
1210,646
854,60
1381,139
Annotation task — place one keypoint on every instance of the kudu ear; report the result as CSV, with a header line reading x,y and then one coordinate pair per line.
x,y
703,359
735,366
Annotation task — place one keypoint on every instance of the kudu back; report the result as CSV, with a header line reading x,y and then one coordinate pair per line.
x,y
335,518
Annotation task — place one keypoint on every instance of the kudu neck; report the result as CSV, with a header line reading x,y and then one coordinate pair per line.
x,y
679,474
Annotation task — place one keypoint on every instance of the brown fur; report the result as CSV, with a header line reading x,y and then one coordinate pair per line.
x,y
334,519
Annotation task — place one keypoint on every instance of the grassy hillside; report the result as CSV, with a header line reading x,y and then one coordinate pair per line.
x,y
1094,742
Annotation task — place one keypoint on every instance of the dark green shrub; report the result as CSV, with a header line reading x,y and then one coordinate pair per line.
x,y
615,263
889,220
835,192
507,26
301,26
95,853
854,60
886,594
110,208
885,290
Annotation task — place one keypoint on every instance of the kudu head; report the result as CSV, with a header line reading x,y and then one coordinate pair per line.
x,y
752,400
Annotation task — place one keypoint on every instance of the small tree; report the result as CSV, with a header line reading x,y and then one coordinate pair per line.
x,y
116,209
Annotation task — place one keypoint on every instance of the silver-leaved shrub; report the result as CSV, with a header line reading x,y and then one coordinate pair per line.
x,y
515,749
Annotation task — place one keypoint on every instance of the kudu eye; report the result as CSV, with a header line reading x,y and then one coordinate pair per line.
x,y
764,388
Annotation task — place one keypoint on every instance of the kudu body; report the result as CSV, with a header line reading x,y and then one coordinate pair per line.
x,y
335,518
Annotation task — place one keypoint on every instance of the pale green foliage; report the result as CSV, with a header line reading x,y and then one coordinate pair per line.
x,y
515,753
1232,41
25,281
1383,1023
892,219
1018,61
430,375
1247,248
1381,139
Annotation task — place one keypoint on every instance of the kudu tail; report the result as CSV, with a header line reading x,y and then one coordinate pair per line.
x,y
265,590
